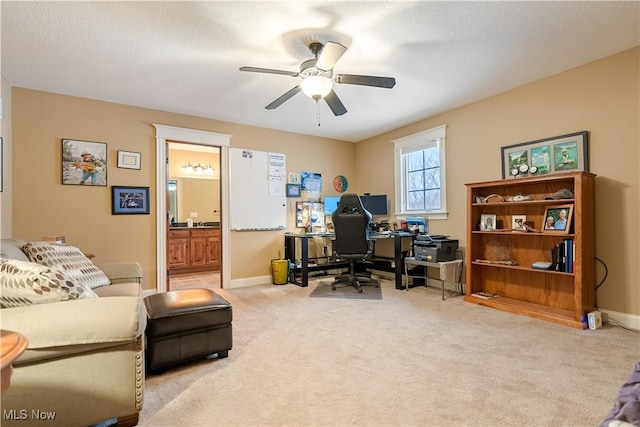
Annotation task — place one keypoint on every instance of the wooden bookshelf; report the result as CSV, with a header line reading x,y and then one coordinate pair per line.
x,y
555,296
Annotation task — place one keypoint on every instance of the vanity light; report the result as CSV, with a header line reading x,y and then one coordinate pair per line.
x,y
199,169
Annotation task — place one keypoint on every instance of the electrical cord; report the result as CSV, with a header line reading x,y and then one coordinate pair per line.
x,y
606,273
611,321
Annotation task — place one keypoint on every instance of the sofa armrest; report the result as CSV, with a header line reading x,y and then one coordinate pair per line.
x,y
119,290
86,323
121,272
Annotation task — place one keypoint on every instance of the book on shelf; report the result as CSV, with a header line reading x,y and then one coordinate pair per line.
x,y
485,295
563,256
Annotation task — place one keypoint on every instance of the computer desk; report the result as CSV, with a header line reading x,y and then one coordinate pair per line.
x,y
395,265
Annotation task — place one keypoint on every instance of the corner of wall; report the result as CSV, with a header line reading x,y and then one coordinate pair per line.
x,y
6,218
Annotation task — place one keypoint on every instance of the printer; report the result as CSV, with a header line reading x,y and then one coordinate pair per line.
x,y
434,248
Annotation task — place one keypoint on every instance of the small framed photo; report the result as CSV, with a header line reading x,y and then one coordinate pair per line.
x,y
518,222
129,159
487,222
557,219
84,163
129,200
293,190
293,178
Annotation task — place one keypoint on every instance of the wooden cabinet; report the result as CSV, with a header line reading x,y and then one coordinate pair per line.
x,y
555,296
194,250
205,248
178,249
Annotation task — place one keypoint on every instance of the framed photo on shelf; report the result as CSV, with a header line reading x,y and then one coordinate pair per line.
x,y
557,219
487,222
129,159
84,163
129,200
517,222
564,153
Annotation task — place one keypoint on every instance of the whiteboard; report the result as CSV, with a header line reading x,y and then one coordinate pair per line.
x,y
257,190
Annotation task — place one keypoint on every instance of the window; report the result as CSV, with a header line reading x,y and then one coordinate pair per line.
x,y
420,174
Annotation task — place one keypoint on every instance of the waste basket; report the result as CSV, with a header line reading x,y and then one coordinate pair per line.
x,y
280,271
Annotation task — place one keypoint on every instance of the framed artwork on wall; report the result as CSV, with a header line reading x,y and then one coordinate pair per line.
x,y
129,200
129,159
293,190
84,163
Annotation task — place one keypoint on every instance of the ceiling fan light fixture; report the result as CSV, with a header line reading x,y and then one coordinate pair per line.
x,y
316,87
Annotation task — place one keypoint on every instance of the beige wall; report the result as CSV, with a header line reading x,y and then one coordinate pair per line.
x,y
42,206
601,97
5,128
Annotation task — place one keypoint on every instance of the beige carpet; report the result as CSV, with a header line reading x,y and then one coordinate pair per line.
x,y
409,359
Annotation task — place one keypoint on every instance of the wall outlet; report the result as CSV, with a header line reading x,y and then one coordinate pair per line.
x,y
194,215
594,319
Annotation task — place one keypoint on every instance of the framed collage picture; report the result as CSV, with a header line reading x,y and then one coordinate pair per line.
x,y
565,153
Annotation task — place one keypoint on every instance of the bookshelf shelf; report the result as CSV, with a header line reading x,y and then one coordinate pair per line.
x,y
556,296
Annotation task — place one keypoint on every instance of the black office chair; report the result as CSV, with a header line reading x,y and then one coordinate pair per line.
x,y
351,223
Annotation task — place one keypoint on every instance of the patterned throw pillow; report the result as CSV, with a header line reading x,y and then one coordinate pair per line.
x,y
70,260
25,283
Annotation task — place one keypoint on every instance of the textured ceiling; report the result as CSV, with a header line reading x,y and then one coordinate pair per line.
x,y
184,57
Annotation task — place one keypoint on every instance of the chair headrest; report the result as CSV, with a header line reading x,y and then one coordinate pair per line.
x,y
350,204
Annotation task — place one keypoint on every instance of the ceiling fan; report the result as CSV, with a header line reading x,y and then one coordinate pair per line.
x,y
318,77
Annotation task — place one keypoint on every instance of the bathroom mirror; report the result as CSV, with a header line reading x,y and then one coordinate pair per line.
x,y
173,199
198,199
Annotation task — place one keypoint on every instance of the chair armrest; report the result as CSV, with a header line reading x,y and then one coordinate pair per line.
x,y
121,272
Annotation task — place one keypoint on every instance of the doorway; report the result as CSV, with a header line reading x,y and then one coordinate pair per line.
x,y
164,135
194,206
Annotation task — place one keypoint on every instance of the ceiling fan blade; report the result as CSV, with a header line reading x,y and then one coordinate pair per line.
x,y
330,54
335,104
278,102
269,71
353,79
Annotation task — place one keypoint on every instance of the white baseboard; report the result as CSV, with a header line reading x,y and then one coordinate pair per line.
x,y
250,281
624,319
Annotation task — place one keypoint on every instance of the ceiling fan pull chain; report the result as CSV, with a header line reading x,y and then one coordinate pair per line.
x,y
317,113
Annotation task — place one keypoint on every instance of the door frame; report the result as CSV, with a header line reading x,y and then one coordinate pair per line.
x,y
166,134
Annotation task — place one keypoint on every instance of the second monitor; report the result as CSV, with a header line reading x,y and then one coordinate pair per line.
x,y
375,204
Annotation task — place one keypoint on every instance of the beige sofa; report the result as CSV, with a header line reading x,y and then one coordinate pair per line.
x,y
84,363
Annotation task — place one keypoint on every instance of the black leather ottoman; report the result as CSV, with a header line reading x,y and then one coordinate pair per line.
x,y
185,325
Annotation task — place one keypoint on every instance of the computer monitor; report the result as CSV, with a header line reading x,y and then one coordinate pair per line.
x,y
376,205
330,205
